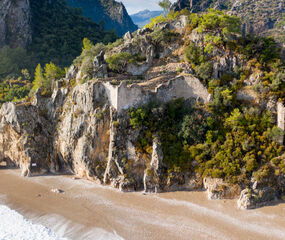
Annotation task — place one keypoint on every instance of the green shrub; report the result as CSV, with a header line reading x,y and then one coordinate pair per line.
x,y
205,70
193,54
118,62
193,128
160,37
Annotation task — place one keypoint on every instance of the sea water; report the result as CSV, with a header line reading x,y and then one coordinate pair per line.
x,y
14,226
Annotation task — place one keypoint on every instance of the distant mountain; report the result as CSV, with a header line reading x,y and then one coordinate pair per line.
x,y
112,13
143,17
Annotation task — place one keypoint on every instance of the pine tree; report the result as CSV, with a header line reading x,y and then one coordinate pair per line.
x,y
165,5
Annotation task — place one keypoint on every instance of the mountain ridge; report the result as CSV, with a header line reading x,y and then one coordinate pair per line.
x,y
143,17
112,13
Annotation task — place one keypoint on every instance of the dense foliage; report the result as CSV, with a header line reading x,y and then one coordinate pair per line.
x,y
59,30
169,122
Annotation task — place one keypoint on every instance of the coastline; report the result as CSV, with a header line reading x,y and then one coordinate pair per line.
x,y
89,211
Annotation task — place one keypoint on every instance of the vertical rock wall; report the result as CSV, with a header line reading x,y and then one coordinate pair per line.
x,y
281,119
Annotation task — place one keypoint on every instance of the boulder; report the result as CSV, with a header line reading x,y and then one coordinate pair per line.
x,y
100,66
253,198
71,72
218,189
143,31
128,36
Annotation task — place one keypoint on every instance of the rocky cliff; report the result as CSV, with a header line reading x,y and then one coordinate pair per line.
x,y
15,23
112,13
144,112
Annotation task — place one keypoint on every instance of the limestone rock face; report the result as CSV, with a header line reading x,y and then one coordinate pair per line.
x,y
22,131
250,199
82,137
100,66
152,174
218,189
15,23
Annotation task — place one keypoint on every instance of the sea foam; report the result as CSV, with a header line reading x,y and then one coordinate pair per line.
x,y
15,226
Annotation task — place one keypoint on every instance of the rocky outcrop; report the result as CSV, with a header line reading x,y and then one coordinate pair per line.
x,y
100,66
258,17
153,174
250,199
15,23
218,189
25,137
113,15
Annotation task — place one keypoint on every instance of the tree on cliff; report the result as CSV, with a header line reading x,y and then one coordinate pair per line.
x,y
165,5
44,79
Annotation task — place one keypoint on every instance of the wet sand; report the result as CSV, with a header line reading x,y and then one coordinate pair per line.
x,y
90,211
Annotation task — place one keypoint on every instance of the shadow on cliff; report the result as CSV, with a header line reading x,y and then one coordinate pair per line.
x,y
269,204
50,174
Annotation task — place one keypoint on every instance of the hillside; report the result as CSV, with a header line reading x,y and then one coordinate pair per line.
x,y
58,31
112,13
262,17
49,30
142,18
186,103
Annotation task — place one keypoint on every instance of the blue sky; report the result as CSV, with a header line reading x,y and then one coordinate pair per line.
x,y
134,6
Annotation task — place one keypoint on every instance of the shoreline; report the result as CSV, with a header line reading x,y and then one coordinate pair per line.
x,y
89,211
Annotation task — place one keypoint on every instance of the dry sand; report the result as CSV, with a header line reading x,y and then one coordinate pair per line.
x,y
90,211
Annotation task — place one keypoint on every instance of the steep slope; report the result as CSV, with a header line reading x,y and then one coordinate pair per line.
x,y
143,17
58,31
260,17
15,20
48,29
114,14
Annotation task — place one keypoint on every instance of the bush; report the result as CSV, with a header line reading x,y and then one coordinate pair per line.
x,y
193,54
193,128
118,62
160,37
214,19
89,51
205,70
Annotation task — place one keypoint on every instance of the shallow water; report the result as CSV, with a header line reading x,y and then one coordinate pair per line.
x,y
90,211
15,226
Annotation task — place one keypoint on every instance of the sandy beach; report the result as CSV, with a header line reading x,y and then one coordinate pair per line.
x,y
90,211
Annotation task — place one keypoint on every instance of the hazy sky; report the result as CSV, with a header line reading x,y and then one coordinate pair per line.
x,y
134,6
